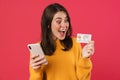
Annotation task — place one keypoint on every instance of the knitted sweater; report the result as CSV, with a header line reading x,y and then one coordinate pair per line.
x,y
64,65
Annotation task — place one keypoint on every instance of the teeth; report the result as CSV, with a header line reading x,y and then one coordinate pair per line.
x,y
61,30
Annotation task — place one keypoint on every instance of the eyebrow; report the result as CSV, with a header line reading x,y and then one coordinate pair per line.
x,y
61,18
58,18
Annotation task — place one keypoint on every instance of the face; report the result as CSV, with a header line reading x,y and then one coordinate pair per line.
x,y
59,25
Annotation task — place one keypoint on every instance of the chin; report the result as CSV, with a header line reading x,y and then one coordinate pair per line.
x,y
61,38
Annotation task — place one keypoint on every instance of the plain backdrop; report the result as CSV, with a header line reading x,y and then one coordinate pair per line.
x,y
20,25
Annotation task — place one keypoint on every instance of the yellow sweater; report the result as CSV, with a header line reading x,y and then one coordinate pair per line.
x,y
64,65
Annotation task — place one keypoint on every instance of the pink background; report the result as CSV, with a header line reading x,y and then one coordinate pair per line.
x,y
20,25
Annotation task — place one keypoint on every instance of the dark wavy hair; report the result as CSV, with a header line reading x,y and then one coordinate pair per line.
x,y
47,42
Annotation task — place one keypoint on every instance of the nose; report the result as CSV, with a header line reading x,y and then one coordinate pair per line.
x,y
64,25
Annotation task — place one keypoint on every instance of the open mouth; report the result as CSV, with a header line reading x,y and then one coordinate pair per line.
x,y
62,32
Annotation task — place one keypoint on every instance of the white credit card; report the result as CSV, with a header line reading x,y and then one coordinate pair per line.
x,y
83,38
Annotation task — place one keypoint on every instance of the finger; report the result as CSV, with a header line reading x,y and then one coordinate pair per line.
x,y
90,45
87,55
35,64
39,63
45,63
36,67
91,51
34,56
91,42
37,59
90,48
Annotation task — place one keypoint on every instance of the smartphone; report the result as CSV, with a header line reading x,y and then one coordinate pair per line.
x,y
36,49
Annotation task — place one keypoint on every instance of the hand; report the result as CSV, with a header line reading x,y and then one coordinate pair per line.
x,y
88,50
36,61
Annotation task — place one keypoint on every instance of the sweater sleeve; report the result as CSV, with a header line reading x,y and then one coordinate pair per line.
x,y
83,65
36,74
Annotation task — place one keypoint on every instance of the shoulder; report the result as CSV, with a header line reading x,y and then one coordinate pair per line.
x,y
74,39
75,43
77,48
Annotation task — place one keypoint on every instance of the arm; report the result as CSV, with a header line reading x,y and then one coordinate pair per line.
x,y
83,65
83,69
36,74
37,66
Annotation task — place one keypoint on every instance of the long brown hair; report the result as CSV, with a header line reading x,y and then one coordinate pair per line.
x,y
47,42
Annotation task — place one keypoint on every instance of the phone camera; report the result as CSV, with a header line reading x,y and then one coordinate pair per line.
x,y
29,47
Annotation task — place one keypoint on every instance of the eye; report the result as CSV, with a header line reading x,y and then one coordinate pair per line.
x,y
58,21
66,20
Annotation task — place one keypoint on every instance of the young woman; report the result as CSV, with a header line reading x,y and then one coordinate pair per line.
x,y
64,58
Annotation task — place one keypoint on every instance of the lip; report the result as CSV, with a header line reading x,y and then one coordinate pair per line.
x,y
62,31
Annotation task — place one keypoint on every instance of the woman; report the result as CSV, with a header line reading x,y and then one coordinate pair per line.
x,y
64,59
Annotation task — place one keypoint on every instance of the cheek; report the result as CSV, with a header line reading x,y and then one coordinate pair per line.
x,y
55,28
68,26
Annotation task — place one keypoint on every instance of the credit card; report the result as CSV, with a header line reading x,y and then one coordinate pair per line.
x,y
84,38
